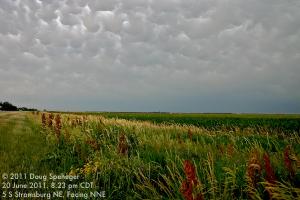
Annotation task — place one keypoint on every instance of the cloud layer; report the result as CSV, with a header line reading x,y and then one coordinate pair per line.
x,y
150,55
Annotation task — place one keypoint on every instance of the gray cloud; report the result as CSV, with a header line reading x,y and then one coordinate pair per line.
x,y
142,55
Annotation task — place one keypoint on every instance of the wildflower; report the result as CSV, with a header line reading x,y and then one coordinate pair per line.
x,y
97,164
87,168
72,172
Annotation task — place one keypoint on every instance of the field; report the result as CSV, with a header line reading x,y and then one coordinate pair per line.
x,y
271,122
153,155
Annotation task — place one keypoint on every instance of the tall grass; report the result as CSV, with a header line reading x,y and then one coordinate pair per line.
x,y
143,160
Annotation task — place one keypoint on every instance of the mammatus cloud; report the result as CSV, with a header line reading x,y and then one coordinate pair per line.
x,y
150,55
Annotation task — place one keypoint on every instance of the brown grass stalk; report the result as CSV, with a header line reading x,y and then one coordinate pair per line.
x,y
123,146
288,162
57,125
50,120
254,170
44,123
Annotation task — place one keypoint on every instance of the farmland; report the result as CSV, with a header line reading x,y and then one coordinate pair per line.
x,y
271,122
158,155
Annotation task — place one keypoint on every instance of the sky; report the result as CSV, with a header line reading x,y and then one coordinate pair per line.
x,y
151,55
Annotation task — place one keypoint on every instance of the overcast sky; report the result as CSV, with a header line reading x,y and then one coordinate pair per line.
x,y
151,55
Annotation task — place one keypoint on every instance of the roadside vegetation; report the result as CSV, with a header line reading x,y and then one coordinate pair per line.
x,y
131,159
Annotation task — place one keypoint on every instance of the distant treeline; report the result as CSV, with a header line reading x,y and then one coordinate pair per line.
x,y
6,106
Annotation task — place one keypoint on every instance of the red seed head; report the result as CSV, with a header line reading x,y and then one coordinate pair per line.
x,y
57,125
190,172
122,146
270,175
191,181
199,196
50,120
186,190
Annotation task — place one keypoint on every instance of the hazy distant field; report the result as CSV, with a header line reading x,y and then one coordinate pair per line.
x,y
180,156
